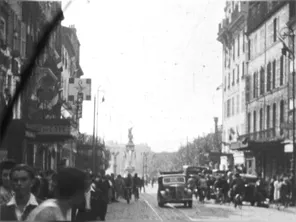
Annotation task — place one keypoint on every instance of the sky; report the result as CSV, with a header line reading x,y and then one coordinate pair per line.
x,y
157,63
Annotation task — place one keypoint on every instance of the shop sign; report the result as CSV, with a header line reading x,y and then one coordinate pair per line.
x,y
54,130
30,134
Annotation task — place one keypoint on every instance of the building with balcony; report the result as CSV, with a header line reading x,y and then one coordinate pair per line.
x,y
267,90
231,34
44,137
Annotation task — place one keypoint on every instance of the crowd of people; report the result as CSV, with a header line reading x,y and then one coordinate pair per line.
x,y
66,195
226,187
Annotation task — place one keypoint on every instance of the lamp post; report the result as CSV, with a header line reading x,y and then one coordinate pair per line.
x,y
291,55
95,128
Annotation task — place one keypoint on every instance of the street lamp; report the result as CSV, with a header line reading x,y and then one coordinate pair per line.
x,y
95,127
291,55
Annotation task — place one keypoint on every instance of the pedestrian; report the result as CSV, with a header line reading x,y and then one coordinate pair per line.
x,y
285,192
112,178
119,186
271,189
23,201
88,211
277,191
5,188
103,188
69,194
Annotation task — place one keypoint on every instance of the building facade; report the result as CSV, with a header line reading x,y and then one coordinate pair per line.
x,y
231,34
267,90
45,126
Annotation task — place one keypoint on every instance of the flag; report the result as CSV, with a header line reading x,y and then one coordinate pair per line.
x,y
58,59
237,132
103,99
219,87
232,131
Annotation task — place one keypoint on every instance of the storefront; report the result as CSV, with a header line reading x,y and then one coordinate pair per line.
x,y
54,143
18,141
268,158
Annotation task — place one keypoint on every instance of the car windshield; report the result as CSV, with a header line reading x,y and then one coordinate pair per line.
x,y
168,180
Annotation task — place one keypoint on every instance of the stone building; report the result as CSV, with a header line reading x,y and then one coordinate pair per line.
x,y
231,34
43,126
267,90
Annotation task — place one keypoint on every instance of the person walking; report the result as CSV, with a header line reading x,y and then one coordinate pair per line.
x,y
103,187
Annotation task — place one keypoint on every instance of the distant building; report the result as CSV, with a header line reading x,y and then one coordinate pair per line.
x,y
231,34
117,162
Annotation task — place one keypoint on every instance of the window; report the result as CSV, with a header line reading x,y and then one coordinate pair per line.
x,y
261,120
243,102
228,80
238,45
233,77
23,40
237,104
233,50
243,69
274,30
268,117
254,85
228,108
281,70
249,122
282,114
254,122
274,74
2,28
233,104
243,34
225,109
262,81
237,78
255,45
274,115
9,82
268,87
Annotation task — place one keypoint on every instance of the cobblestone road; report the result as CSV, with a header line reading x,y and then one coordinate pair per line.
x,y
147,209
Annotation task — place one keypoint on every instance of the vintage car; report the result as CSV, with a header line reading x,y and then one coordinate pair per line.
x,y
250,182
172,188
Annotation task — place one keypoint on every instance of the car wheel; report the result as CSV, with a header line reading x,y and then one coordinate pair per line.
x,y
252,203
160,203
185,204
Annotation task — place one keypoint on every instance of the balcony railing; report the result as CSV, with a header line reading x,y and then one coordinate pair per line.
x,y
263,135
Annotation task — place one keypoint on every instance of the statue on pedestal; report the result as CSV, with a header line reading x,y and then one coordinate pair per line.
x,y
129,153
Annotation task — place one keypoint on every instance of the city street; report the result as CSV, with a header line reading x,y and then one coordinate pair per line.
x,y
147,209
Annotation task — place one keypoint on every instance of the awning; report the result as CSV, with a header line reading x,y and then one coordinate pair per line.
x,y
53,130
261,146
238,145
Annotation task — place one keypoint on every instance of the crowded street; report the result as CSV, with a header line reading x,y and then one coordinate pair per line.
x,y
146,208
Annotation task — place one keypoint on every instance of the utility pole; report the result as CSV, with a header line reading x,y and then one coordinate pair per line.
x,y
187,149
94,138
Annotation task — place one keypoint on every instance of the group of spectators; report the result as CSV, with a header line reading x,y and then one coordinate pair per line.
x,y
225,187
66,195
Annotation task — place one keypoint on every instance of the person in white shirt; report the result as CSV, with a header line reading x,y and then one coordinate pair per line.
x,y
23,201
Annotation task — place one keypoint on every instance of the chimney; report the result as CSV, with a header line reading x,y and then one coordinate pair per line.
x,y
216,124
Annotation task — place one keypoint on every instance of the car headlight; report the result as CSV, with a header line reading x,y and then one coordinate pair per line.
x,y
162,193
189,191
185,189
195,190
167,190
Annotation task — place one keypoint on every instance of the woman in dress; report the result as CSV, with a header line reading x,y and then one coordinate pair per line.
x,y
277,191
70,188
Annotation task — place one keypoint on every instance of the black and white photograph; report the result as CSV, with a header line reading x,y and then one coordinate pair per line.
x,y
148,110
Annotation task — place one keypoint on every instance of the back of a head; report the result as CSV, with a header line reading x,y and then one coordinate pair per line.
x,y
7,165
69,182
